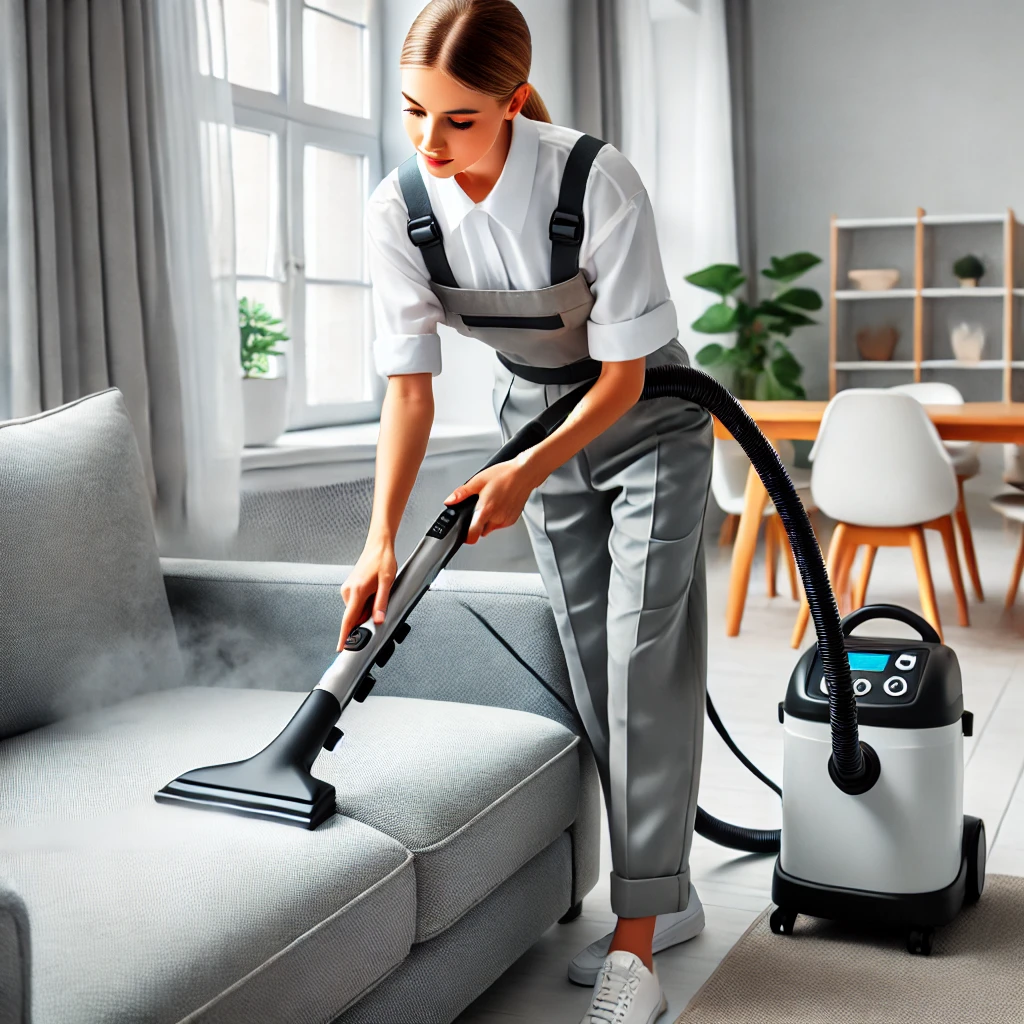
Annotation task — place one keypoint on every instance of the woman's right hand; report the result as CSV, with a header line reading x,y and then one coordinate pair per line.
x,y
368,586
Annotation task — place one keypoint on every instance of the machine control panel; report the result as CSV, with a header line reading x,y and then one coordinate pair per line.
x,y
879,677
443,523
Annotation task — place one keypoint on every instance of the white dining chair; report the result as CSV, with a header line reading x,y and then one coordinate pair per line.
x,y
729,470
1012,506
881,472
966,459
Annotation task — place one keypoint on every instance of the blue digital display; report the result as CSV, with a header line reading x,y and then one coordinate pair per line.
x,y
863,662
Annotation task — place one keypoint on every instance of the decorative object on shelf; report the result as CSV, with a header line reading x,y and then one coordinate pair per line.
x,y
758,365
969,271
264,398
877,343
874,280
968,342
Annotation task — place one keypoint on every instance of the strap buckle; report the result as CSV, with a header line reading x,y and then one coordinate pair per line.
x,y
566,227
424,230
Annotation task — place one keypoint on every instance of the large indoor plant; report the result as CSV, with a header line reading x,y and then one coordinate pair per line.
x,y
264,397
759,364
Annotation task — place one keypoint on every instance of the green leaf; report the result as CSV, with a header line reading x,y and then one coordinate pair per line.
x,y
784,365
717,319
788,268
712,355
800,298
721,278
789,317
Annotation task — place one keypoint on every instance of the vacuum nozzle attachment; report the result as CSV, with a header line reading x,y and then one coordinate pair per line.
x,y
276,783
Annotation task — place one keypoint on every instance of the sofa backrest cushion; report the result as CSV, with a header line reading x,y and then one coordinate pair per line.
x,y
84,618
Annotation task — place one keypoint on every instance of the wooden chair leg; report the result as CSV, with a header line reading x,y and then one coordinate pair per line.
x,y
841,579
967,540
727,534
835,549
945,528
860,592
1018,570
771,554
787,553
924,578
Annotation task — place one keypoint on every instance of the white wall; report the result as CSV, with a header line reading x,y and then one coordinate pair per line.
x,y
462,392
875,107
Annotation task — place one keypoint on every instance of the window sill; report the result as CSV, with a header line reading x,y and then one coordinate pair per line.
x,y
322,456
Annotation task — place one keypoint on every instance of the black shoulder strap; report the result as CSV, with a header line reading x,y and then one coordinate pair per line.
x,y
424,231
566,227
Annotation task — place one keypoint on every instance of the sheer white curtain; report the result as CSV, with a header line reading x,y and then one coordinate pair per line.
x,y
196,181
695,199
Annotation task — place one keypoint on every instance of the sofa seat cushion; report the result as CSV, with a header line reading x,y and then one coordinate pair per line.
x,y
474,792
142,912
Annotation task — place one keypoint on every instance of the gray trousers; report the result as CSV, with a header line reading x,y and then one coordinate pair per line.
x,y
617,534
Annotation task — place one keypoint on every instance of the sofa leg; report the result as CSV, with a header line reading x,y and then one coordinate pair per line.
x,y
572,913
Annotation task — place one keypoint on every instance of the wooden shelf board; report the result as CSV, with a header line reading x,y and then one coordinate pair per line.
x,y
851,294
876,222
963,293
938,219
876,364
955,364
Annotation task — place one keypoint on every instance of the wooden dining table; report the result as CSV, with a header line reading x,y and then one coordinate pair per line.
x,y
991,422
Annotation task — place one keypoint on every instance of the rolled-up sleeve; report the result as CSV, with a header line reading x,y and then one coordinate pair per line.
x,y
633,314
406,311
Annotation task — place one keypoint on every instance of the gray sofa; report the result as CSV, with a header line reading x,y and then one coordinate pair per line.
x,y
468,800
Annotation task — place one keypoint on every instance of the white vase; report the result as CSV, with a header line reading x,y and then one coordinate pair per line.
x,y
265,408
968,342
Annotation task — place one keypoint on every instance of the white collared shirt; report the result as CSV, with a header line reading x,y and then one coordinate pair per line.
x,y
502,242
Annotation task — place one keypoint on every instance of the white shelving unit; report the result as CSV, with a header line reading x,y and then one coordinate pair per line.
x,y
924,308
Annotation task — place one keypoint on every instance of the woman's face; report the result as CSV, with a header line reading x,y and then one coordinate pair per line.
x,y
453,127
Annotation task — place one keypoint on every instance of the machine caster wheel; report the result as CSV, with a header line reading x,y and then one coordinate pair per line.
x,y
781,922
572,913
919,941
975,851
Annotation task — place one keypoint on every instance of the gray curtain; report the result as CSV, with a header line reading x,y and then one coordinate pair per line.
x,y
88,287
597,86
737,32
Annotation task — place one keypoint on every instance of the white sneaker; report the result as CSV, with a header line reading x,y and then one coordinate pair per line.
x,y
625,992
670,930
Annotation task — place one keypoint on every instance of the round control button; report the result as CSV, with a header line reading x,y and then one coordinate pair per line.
x,y
895,686
861,686
906,662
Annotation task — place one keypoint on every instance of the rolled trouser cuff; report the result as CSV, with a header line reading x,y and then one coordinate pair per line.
x,y
648,897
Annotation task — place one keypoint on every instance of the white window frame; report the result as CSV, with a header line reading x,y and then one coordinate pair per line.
x,y
298,124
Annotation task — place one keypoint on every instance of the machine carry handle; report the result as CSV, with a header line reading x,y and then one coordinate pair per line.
x,y
894,612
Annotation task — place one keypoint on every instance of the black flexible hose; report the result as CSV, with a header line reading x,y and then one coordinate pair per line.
x,y
686,382
735,837
731,744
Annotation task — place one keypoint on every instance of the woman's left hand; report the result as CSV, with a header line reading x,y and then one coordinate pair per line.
x,y
502,489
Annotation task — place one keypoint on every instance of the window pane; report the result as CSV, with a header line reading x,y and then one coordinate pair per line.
x,y
334,196
252,43
353,10
270,294
334,64
254,160
336,343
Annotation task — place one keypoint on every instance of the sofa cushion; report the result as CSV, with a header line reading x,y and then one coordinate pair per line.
x,y
147,913
475,792
84,619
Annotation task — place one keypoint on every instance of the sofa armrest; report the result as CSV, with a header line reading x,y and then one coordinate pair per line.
x,y
15,966
476,637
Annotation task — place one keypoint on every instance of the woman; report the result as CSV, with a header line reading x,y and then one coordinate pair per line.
x,y
464,233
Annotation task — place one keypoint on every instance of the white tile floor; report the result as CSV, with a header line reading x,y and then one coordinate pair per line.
x,y
747,678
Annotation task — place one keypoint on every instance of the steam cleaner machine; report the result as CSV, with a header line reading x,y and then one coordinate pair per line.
x,y
873,829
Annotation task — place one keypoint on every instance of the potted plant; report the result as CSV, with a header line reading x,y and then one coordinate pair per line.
x,y
264,398
969,271
759,364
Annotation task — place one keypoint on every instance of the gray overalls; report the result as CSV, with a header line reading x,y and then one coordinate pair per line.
x,y
616,532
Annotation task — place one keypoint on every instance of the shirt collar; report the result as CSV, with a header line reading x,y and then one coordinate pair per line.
x,y
508,200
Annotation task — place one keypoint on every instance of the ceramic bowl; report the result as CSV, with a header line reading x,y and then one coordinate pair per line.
x,y
874,280
877,343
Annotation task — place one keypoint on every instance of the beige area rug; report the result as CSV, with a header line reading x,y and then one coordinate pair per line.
x,y
834,975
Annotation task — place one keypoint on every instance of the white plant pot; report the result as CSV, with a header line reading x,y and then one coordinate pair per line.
x,y
265,409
